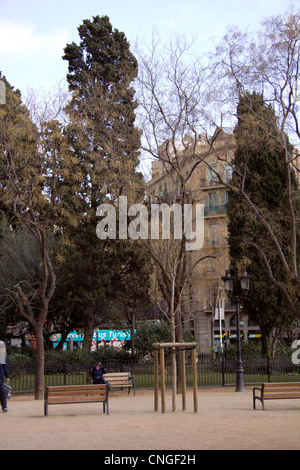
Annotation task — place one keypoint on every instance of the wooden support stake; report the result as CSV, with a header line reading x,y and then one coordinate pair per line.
x,y
155,379
174,379
161,355
163,381
182,353
195,387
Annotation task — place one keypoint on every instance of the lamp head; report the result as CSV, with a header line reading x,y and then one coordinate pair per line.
x,y
228,281
245,281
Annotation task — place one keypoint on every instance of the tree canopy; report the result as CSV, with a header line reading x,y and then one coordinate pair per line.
x,y
53,177
259,169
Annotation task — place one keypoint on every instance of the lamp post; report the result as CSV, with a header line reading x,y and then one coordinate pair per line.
x,y
237,290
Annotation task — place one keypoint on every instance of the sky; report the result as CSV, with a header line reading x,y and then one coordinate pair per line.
x,y
33,33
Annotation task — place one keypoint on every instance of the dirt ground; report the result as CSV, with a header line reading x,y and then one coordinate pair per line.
x,y
225,420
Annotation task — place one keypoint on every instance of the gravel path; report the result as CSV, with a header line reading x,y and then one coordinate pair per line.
x,y
225,420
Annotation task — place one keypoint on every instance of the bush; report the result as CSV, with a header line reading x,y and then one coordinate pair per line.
x,y
78,356
107,354
253,348
20,356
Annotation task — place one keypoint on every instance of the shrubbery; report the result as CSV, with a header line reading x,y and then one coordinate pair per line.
x,y
78,356
253,348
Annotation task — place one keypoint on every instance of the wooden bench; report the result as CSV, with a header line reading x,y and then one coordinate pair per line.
x,y
276,391
76,394
120,380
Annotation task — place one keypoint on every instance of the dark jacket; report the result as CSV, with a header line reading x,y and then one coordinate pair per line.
x,y
3,371
97,373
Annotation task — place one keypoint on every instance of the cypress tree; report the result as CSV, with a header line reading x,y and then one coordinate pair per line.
x,y
260,172
105,145
102,111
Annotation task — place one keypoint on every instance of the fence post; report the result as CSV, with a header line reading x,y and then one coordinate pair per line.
x,y
268,369
223,370
65,374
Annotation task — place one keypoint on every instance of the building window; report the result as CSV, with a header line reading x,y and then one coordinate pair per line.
x,y
215,237
226,197
252,321
192,325
228,173
212,201
217,324
212,176
233,321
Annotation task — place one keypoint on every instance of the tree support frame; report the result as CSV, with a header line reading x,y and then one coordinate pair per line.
x,y
159,356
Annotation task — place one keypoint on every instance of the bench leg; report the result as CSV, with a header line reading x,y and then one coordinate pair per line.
x,y
260,399
255,397
46,403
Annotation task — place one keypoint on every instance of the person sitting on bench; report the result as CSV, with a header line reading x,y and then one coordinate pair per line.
x,y
97,373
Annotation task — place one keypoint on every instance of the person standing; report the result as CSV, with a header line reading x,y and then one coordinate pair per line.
x,y
3,374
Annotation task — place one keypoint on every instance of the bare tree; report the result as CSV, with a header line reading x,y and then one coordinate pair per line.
x,y
46,107
268,63
173,91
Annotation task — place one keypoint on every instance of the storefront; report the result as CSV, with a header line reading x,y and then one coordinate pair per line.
x,y
114,338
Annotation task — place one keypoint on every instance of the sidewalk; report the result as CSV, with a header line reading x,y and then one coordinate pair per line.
x,y
225,420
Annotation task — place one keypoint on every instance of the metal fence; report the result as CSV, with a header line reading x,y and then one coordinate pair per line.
x,y
210,373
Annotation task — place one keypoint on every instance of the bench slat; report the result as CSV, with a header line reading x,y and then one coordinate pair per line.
x,y
72,399
270,395
75,387
124,379
121,384
281,389
282,385
118,379
83,393
117,374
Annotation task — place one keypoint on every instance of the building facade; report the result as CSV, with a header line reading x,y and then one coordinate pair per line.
x,y
194,172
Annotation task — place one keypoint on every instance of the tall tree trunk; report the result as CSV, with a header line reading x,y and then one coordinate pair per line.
x,y
88,332
132,328
62,340
179,339
39,358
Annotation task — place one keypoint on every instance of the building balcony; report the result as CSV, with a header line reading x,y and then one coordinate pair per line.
x,y
215,210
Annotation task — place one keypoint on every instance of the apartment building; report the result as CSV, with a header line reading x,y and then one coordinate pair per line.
x,y
194,172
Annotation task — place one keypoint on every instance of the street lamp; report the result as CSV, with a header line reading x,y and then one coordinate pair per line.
x,y
237,290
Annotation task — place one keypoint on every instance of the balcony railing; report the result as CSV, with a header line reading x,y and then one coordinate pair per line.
x,y
215,210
